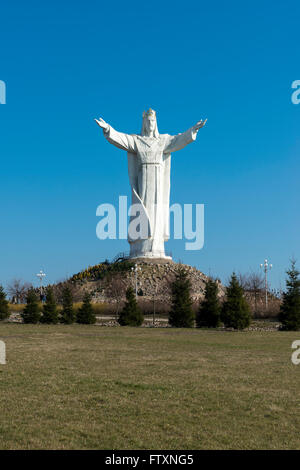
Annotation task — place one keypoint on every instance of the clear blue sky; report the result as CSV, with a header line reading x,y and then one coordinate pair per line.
x,y
66,62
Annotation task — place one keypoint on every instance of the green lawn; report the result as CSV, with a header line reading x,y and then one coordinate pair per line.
x,y
92,387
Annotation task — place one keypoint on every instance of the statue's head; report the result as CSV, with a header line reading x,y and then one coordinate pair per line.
x,y
149,126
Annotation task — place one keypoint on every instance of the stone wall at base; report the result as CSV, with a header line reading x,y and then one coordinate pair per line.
x,y
154,278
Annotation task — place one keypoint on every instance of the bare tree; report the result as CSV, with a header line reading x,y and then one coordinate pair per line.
x,y
255,286
252,283
244,280
18,289
255,282
116,291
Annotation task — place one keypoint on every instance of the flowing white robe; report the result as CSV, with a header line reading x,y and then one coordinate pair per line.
x,y
149,163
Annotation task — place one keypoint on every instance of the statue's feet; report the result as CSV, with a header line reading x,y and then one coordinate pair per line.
x,y
151,255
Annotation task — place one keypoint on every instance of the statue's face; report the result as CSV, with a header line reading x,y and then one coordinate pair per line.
x,y
151,124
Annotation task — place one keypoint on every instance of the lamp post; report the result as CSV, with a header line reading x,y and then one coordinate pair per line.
x,y
266,266
154,309
135,270
41,276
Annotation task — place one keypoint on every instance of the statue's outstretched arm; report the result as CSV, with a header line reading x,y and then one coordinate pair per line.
x,y
119,139
179,141
101,123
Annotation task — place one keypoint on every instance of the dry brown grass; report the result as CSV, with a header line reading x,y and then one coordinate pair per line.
x,y
91,387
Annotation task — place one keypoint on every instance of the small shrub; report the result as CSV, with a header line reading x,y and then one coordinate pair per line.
x,y
50,312
209,311
181,314
68,313
235,311
290,308
4,306
86,314
32,310
131,314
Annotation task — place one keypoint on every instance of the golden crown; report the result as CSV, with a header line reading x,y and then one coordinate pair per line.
x,y
149,113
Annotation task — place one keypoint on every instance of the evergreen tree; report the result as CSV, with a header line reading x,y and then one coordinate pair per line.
x,y
209,311
289,314
68,313
86,314
31,312
181,314
4,306
235,310
50,313
131,314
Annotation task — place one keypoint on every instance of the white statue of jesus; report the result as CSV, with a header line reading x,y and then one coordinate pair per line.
x,y
149,162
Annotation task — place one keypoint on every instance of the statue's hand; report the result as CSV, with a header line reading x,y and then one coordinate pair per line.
x,y
102,124
199,124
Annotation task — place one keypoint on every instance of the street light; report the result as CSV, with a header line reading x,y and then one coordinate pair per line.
x,y
266,267
154,309
41,276
135,269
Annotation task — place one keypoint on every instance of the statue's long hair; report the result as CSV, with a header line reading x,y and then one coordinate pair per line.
x,y
144,125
